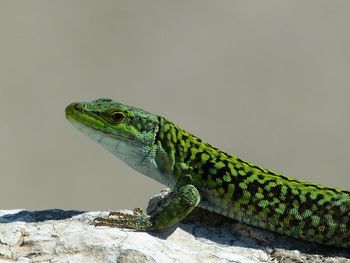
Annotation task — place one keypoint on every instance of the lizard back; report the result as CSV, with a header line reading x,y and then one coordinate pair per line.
x,y
253,195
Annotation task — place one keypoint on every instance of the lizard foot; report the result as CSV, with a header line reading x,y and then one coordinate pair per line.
x,y
137,220
169,211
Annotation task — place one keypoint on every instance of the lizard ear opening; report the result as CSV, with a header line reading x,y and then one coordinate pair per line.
x,y
117,116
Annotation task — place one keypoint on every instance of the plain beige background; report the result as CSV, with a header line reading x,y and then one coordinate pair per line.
x,y
268,81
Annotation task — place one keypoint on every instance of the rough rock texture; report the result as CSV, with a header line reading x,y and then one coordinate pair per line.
x,y
68,236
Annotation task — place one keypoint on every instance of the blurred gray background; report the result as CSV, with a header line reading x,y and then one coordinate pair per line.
x,y
268,81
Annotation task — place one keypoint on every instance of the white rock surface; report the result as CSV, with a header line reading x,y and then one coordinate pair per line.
x,y
68,236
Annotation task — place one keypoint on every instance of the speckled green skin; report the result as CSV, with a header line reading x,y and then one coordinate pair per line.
x,y
225,183
257,196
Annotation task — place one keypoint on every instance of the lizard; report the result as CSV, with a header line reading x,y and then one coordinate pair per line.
x,y
200,175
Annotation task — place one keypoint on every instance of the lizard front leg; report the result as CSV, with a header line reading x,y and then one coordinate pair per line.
x,y
170,210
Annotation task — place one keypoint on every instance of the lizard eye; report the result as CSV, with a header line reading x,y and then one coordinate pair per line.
x,y
117,116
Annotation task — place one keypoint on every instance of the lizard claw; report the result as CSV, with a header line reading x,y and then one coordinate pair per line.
x,y
119,219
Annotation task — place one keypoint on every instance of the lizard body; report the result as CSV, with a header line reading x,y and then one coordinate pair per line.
x,y
202,175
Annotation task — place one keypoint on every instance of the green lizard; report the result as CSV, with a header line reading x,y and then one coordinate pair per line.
x,y
201,175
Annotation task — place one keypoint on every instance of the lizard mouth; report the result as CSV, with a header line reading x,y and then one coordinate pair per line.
x,y
75,113
71,111
84,121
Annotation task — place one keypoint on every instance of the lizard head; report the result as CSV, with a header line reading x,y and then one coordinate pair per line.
x,y
127,132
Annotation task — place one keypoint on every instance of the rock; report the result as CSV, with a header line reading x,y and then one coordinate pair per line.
x,y
69,236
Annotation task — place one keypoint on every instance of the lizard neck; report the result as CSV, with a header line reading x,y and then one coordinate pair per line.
x,y
180,154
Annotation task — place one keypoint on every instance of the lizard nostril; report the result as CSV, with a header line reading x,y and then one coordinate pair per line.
x,y
77,107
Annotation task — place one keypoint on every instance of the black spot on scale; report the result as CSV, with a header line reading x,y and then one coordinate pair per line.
x,y
306,204
337,214
261,177
196,138
158,135
319,197
294,221
187,157
225,185
266,194
237,193
179,151
252,188
198,157
207,166
226,162
236,180
258,208
221,172
275,206
249,173
205,169
276,190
